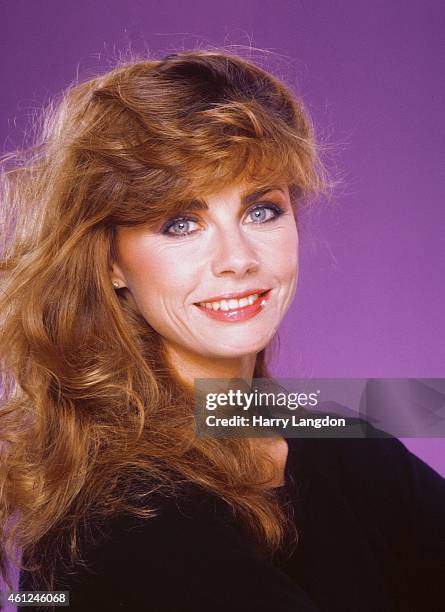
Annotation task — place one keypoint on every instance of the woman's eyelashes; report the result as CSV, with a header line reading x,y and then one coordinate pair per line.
x,y
185,226
179,226
261,213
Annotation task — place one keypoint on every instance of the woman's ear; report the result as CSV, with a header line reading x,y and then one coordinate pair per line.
x,y
117,276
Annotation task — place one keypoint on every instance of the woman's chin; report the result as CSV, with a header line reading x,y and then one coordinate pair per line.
x,y
234,350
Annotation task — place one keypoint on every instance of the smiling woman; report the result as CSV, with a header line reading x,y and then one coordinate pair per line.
x,y
152,240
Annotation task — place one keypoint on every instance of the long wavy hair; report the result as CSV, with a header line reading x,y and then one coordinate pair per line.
x,y
93,419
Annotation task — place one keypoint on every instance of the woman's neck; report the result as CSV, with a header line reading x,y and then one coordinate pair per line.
x,y
191,365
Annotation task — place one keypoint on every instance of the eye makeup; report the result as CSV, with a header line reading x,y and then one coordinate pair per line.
x,y
183,222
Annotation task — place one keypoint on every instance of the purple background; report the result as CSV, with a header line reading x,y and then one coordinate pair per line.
x,y
371,299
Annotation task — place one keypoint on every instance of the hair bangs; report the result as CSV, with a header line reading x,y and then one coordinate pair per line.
x,y
219,149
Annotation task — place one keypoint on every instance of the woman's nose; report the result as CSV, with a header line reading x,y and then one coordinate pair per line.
x,y
234,255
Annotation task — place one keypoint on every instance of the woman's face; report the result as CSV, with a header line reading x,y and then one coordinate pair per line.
x,y
216,280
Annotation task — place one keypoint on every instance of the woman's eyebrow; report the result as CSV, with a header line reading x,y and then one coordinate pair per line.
x,y
246,199
249,198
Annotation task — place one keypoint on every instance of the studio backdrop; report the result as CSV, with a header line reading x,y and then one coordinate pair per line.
x,y
370,298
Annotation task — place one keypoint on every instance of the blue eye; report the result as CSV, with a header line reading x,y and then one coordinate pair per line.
x,y
264,212
181,226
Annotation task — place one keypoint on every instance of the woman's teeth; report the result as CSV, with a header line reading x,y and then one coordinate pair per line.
x,y
230,304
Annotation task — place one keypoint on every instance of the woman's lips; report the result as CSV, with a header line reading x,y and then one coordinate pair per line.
x,y
239,312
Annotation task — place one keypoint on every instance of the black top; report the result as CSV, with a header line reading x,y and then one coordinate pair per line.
x,y
371,521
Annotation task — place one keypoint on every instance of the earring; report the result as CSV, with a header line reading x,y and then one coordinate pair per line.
x,y
116,284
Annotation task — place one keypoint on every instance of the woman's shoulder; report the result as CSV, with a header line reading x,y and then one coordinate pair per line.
x,y
368,451
371,461
391,491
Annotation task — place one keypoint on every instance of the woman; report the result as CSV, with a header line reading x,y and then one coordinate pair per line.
x,y
154,241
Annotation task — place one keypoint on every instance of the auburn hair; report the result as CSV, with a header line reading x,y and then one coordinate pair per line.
x,y
93,419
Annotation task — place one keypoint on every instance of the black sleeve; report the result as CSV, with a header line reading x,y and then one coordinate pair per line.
x,y
403,499
183,560
424,502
